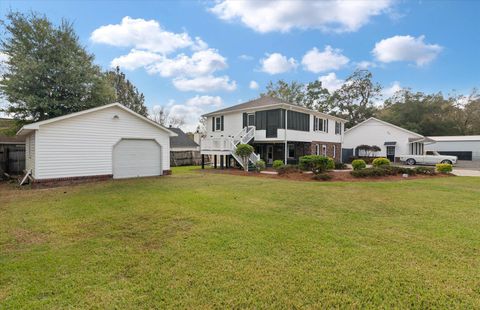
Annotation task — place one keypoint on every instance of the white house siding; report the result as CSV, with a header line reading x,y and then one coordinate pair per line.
x,y
373,132
30,153
233,124
83,145
456,146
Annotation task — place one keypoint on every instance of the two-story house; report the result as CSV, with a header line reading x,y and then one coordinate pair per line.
x,y
275,128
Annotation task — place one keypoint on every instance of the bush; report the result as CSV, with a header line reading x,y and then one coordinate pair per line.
x,y
340,166
287,169
330,164
425,170
316,163
322,177
394,170
260,165
381,161
367,160
444,168
369,172
358,164
277,164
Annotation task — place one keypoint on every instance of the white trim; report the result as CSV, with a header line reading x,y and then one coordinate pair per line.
x,y
385,123
37,125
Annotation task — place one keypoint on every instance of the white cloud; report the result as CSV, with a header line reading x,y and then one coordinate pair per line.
x,y
253,85
136,59
205,101
141,34
331,82
200,63
330,59
245,57
391,90
277,63
205,83
271,15
406,48
365,64
199,44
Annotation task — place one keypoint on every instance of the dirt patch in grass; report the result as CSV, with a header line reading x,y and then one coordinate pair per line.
x,y
25,236
337,176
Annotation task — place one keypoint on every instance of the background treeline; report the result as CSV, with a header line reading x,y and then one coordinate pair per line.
x,y
360,98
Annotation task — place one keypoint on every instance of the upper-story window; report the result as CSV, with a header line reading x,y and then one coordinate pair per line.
x,y
320,124
251,119
338,128
217,123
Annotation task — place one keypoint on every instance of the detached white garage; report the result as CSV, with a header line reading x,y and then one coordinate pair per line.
x,y
103,142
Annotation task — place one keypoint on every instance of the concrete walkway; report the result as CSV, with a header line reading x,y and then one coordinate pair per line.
x,y
466,172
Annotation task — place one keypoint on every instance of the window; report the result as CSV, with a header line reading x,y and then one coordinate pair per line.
x,y
430,153
217,123
317,149
251,119
291,151
338,128
324,150
320,124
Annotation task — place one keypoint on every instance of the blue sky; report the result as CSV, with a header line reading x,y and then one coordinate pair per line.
x,y
425,45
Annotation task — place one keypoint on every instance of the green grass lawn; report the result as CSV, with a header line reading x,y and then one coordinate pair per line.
x,y
195,240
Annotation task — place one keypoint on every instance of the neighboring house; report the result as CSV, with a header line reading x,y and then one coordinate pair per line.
x,y
183,150
275,128
12,155
103,142
464,147
392,140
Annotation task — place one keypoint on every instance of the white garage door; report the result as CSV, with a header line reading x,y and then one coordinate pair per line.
x,y
136,158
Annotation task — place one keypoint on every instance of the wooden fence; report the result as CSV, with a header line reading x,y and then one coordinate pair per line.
x,y
185,158
12,158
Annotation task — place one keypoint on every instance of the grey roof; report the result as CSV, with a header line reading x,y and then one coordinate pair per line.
x,y
181,140
256,103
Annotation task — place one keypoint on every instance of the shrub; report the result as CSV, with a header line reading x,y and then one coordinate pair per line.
x,y
425,170
444,168
322,177
277,164
260,165
358,164
287,169
340,166
330,164
244,151
369,172
315,163
381,161
394,170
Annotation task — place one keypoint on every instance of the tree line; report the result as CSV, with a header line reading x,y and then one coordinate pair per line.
x,y
360,97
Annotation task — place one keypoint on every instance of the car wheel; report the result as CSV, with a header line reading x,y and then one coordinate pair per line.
x,y
446,161
411,162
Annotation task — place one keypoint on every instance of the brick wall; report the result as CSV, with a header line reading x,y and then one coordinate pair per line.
x,y
330,145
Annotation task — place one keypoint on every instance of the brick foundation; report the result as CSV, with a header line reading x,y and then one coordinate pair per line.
x,y
338,149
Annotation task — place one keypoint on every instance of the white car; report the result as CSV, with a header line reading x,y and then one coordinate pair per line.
x,y
429,158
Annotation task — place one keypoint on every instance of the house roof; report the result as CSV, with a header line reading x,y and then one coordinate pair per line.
x,y
385,123
454,138
268,101
181,140
34,126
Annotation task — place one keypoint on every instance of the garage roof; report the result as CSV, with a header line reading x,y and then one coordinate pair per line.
x,y
28,128
455,138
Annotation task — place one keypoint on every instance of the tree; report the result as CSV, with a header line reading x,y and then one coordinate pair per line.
x,y
48,73
162,116
125,92
312,95
355,99
244,151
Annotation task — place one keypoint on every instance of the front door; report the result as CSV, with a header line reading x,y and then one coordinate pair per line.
x,y
269,154
391,153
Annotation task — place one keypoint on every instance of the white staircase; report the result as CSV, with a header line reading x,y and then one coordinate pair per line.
x,y
229,145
